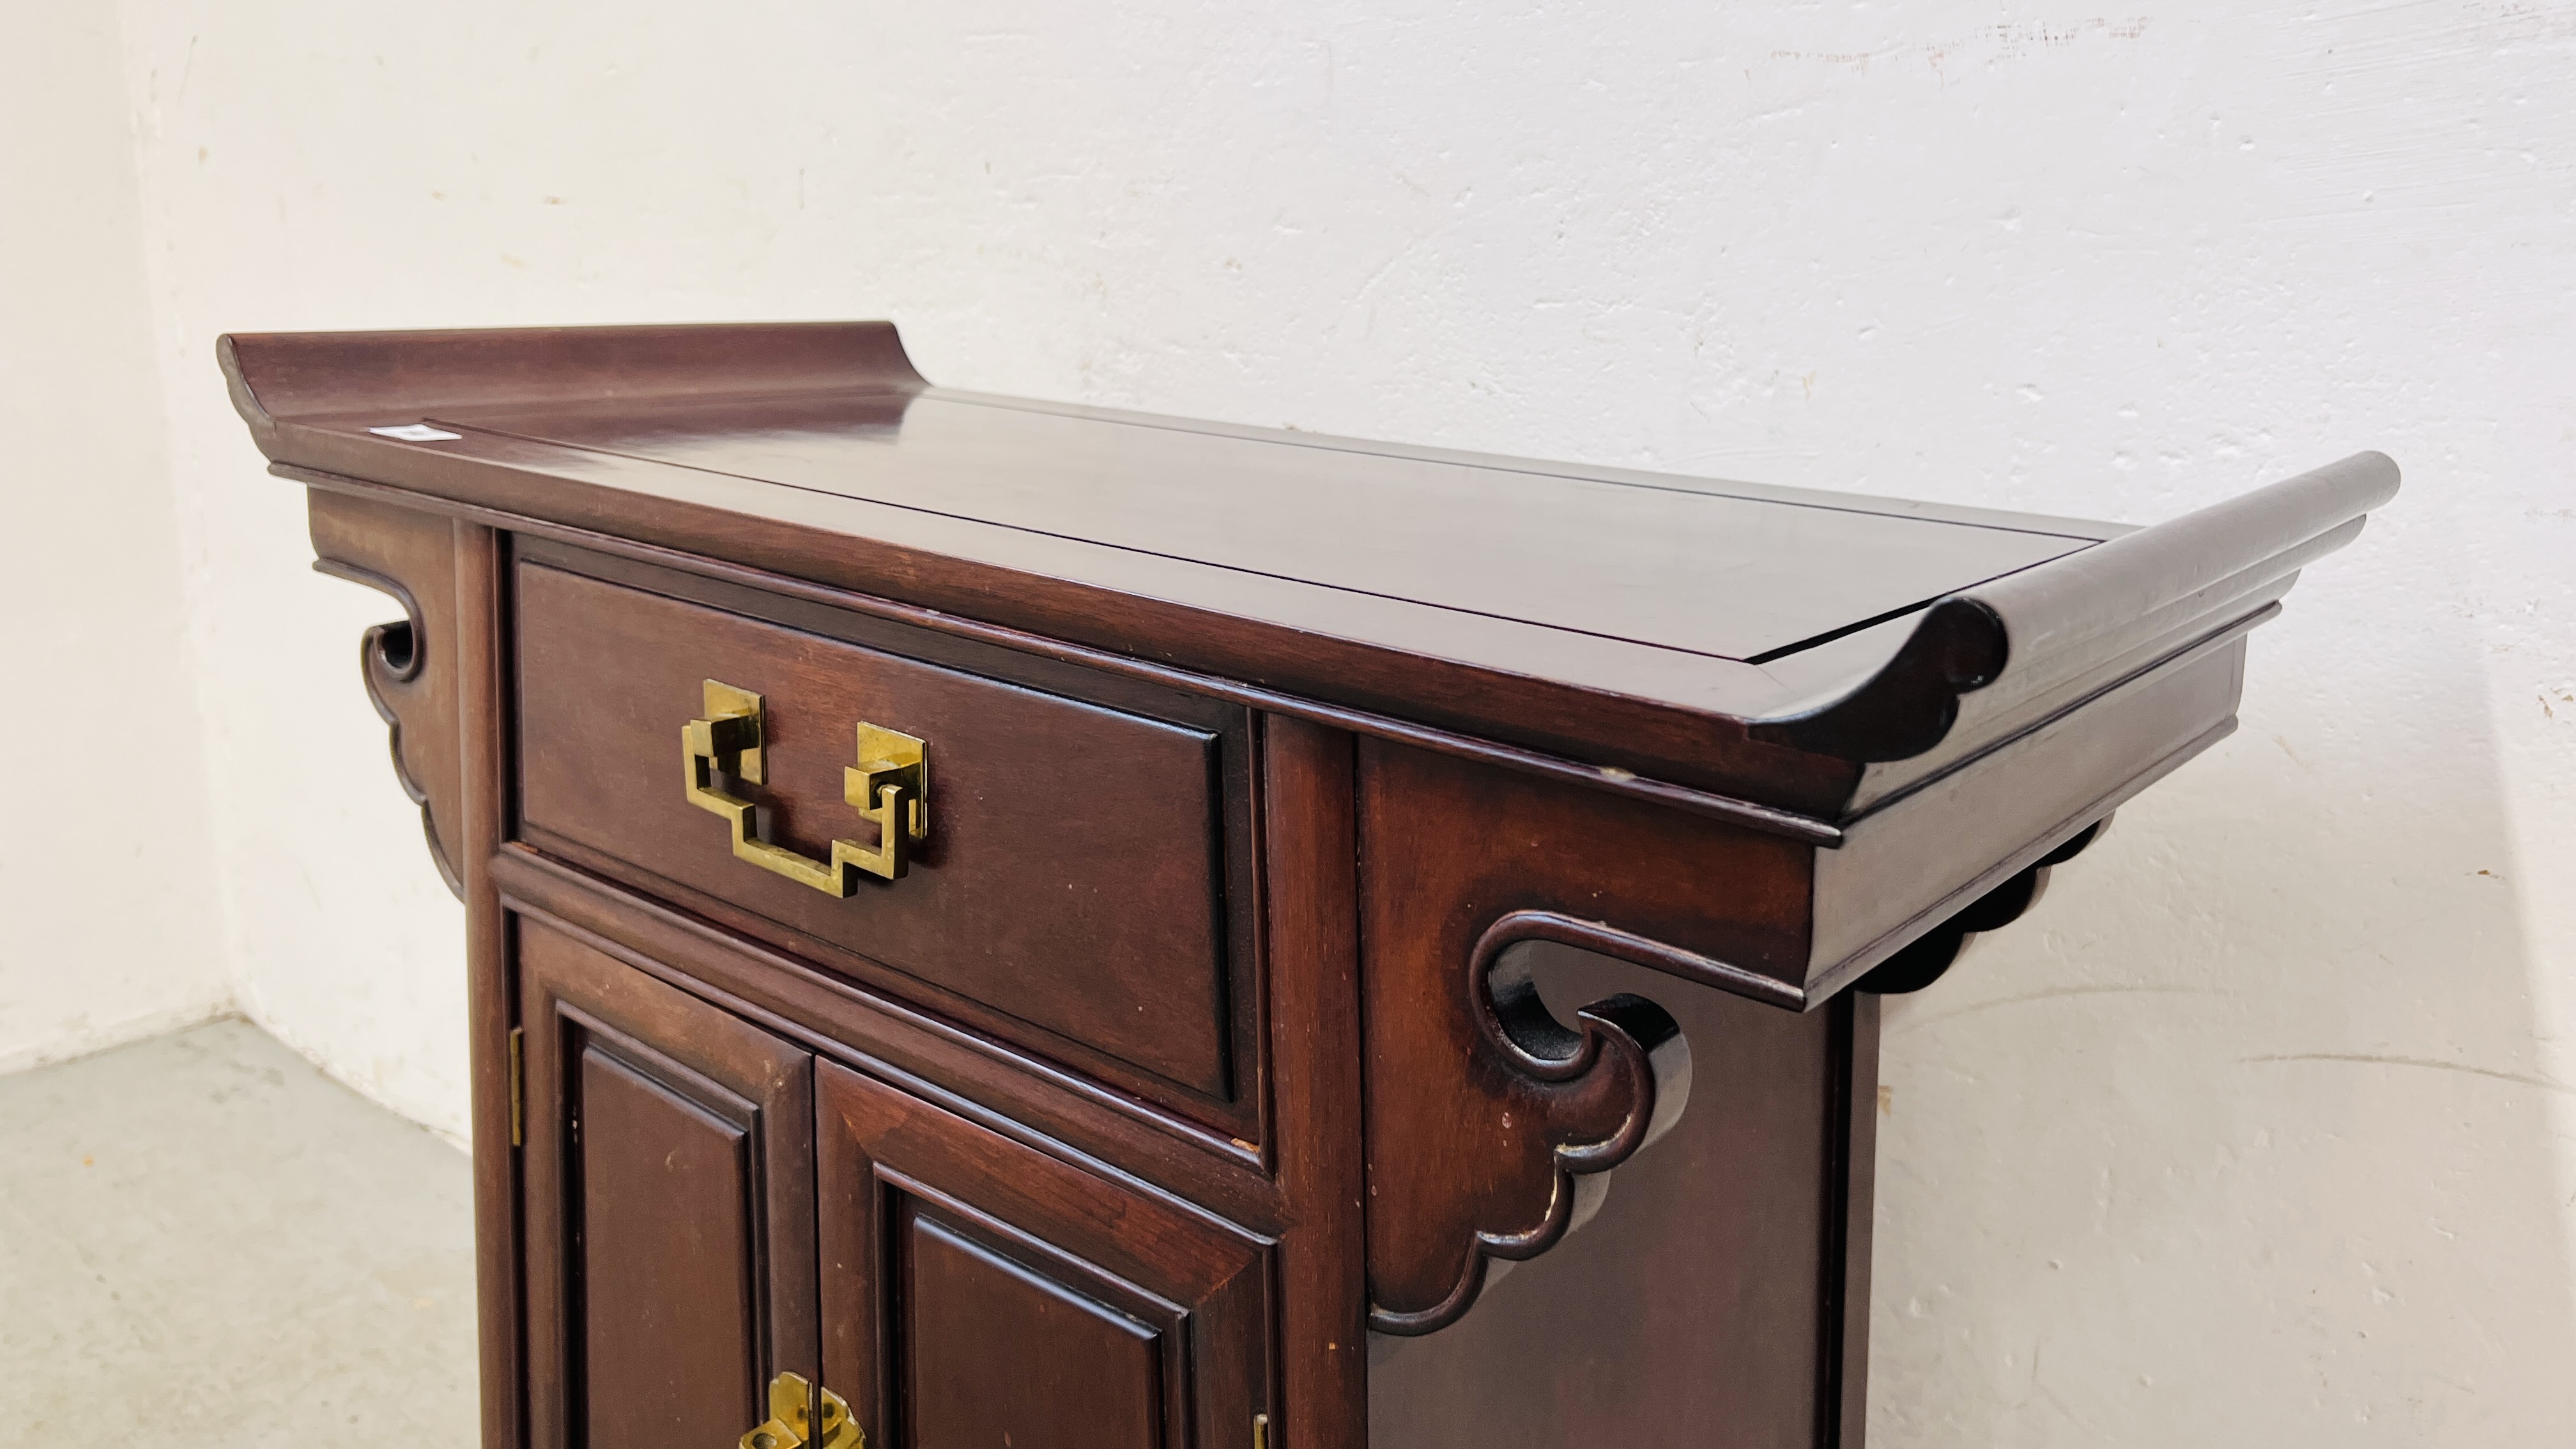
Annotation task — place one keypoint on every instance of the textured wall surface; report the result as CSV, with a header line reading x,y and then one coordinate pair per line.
x,y
105,886
2255,1133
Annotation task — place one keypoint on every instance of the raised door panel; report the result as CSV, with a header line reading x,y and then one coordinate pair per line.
x,y
670,1194
979,1291
671,1291
1084,1361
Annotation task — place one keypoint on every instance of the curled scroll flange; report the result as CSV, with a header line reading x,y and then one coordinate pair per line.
x,y
2050,624
1600,1090
1909,705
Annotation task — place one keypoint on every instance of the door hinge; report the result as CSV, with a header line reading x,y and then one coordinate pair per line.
x,y
518,1087
792,1404
1261,1431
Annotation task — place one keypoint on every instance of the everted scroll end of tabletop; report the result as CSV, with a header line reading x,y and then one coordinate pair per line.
x,y
1908,706
2058,626
279,379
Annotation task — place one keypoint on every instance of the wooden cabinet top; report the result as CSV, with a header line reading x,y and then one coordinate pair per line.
x,y
1766,652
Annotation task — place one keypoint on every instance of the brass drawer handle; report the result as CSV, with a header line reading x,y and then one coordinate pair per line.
x,y
790,1424
890,785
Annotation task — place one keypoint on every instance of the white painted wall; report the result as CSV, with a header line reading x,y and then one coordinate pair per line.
x,y
106,902
2256,1133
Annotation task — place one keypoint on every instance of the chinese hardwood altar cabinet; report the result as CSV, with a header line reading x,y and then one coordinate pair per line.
x,y
995,922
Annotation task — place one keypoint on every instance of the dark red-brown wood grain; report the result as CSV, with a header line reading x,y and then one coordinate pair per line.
x,y
1354,869
1074,877
977,1291
670,1205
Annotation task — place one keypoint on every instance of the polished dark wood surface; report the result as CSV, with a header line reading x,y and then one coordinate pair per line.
x,y
1074,875
1703,571
1699,1303
1509,1117
974,1075
1397,958
497,1076
1310,814
410,665
977,1291
1083,1364
1871,673
670,1205
1923,857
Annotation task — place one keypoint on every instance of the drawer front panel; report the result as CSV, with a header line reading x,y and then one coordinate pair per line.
x,y
1072,877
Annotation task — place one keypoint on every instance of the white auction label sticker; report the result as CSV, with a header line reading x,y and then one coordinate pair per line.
x,y
416,433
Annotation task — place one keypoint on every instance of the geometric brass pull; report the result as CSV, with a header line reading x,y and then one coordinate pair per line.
x,y
788,1425
890,785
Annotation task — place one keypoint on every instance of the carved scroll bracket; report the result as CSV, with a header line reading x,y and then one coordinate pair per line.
x,y
1493,1124
1587,1099
409,665
1930,956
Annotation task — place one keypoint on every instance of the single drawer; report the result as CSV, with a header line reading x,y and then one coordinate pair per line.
x,y
1068,891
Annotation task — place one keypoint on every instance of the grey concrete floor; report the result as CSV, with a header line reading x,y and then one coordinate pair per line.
x,y
205,1241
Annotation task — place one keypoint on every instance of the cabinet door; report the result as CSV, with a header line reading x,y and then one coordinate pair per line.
x,y
670,1207
977,1291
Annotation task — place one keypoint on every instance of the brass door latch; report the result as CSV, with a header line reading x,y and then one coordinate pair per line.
x,y
792,1406
890,785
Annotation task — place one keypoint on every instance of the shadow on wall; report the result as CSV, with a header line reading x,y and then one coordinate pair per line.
x,y
2246,1117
